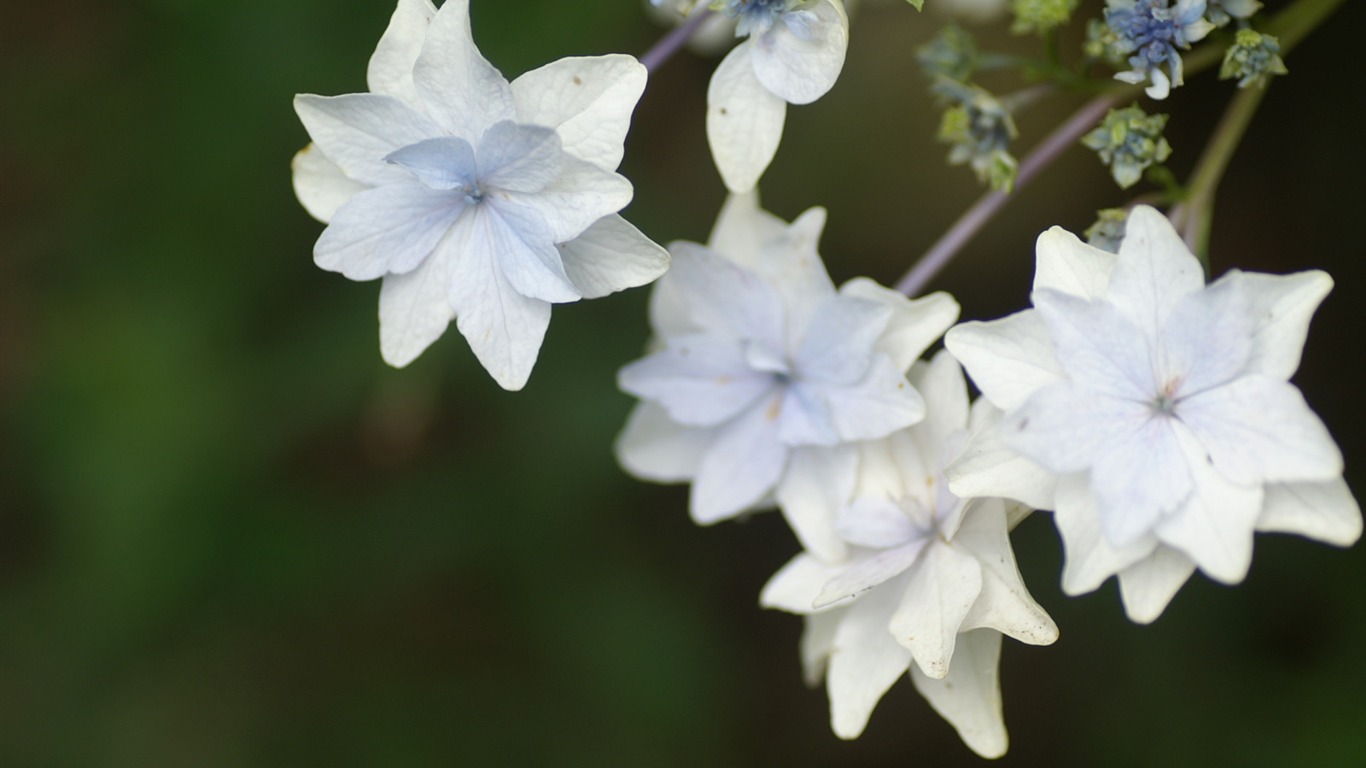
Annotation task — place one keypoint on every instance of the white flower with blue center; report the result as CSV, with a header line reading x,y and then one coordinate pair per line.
x,y
473,198
1150,33
930,584
764,376
793,54
1154,414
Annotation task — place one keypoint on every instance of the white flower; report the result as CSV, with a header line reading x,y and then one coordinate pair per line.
x,y
932,580
1154,414
793,55
764,373
474,198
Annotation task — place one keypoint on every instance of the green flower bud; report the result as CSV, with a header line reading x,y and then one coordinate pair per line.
x,y
1130,141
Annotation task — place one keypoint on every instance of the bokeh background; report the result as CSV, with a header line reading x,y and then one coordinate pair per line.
x,y
231,536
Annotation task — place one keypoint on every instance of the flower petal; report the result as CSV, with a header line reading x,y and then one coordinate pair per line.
x,y
915,323
879,404
654,447
387,230
526,254
790,264
865,662
1063,427
460,90
610,256
795,586
1281,306
701,380
1148,586
722,297
1004,603
414,310
579,196
320,184
969,696
519,158
864,573
391,65
942,588
1099,348
741,467
1008,359
743,227
940,382
1140,476
1207,339
1325,511
1089,559
358,130
744,121
800,68
588,100
818,481
838,344
875,523
1155,268
1064,263
817,643
504,328
986,466
444,163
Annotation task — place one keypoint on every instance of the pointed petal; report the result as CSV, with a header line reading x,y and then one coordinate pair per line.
x,y
414,310
1282,306
942,588
1149,585
1155,268
969,697
1139,477
1215,526
817,643
610,256
790,264
503,327
588,100
838,345
1004,604
700,380
521,242
875,523
1207,339
864,573
358,130
1063,427
742,228
459,88
741,468
879,404
800,68
391,65
1324,512
817,483
1258,429
795,586
1008,359
941,384
865,663
519,158
1066,264
1099,348
722,297
654,447
579,196
387,230
320,185
1088,557
444,163
988,467
744,121
915,323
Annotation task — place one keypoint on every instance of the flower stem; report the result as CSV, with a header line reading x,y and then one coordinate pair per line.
x,y
967,226
670,43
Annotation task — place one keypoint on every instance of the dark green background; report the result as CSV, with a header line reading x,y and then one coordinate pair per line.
x,y
230,536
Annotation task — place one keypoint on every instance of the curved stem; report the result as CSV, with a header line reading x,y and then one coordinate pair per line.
x,y
670,43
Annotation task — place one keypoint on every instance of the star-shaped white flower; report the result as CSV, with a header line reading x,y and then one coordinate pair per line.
x,y
1154,413
764,374
793,55
930,584
471,197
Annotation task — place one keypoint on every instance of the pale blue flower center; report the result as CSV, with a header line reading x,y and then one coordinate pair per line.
x,y
755,17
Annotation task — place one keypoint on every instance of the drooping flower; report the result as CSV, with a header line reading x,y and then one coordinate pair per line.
x,y
929,587
793,55
763,375
473,198
1150,33
1154,414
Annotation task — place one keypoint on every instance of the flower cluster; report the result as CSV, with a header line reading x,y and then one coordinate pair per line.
x,y
1252,59
1129,141
1150,32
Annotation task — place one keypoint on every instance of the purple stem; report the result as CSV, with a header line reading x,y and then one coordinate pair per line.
x,y
972,220
670,43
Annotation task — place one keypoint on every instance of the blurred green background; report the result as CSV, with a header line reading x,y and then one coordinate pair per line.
x,y
230,536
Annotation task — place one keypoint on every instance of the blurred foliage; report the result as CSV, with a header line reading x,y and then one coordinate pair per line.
x,y
230,536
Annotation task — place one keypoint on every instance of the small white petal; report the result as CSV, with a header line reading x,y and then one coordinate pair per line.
x,y
1148,586
1066,264
1008,359
1325,511
1154,271
817,643
940,382
915,323
791,264
387,230
444,163
818,481
969,697
1004,604
588,100
942,588
701,380
391,65
1258,429
525,249
865,662
741,467
801,69
864,573
1089,558
988,467
795,586
1161,87
460,90
744,121
654,447
358,130
875,523
414,310
1281,307
320,184
610,256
